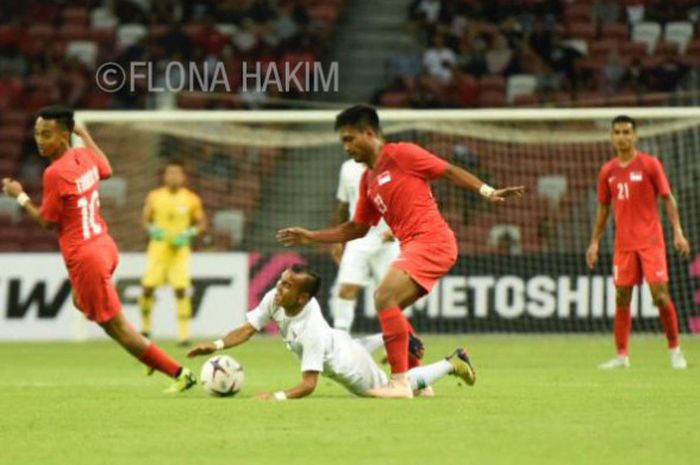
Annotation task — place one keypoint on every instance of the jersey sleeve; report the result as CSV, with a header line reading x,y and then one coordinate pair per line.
x,y
659,179
604,196
197,207
312,354
342,194
365,211
417,161
261,315
103,166
52,201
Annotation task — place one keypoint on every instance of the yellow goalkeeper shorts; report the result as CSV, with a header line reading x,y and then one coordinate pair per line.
x,y
167,265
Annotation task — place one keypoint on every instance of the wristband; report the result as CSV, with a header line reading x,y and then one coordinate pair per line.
x,y
486,191
22,199
219,344
280,395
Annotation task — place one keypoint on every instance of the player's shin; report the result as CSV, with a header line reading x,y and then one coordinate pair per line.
x,y
343,311
184,314
424,376
669,319
395,331
623,326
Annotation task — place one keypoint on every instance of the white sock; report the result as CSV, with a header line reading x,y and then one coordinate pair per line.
x,y
343,311
424,376
674,350
371,343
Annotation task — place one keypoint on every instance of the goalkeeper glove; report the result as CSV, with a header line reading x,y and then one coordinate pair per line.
x,y
183,239
156,233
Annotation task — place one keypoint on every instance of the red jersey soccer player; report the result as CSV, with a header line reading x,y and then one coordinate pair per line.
x,y
631,182
71,205
395,187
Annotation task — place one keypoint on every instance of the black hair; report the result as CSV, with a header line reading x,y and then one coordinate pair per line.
x,y
360,116
624,119
310,285
175,162
61,114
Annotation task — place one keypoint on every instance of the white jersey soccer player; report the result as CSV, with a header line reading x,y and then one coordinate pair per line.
x,y
322,349
364,260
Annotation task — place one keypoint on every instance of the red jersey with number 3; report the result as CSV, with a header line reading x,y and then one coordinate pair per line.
x,y
71,198
398,190
634,190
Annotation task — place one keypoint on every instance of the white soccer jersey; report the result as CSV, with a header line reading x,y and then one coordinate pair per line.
x,y
319,347
349,192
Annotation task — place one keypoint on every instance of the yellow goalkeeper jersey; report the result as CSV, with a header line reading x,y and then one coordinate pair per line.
x,y
174,212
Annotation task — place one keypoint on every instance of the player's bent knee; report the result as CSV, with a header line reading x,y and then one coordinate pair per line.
x,y
384,297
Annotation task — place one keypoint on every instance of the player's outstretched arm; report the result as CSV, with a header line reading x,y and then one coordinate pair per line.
x,y
81,131
466,180
14,189
680,243
309,380
236,337
342,233
598,230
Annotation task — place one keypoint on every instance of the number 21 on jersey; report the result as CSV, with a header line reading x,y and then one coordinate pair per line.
x,y
623,191
88,208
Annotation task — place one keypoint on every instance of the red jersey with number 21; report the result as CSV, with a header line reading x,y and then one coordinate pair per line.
x,y
397,189
71,198
633,191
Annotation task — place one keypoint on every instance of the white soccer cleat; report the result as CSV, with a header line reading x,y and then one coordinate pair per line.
x,y
678,361
397,388
619,361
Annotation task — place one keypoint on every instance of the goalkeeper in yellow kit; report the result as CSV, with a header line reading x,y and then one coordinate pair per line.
x,y
173,215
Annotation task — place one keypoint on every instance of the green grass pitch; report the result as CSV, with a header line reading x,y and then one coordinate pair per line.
x,y
538,400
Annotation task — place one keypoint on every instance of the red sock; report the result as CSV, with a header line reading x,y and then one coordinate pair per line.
x,y
395,331
156,358
669,318
623,325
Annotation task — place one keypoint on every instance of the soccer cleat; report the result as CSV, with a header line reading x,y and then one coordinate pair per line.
x,y
183,382
462,366
397,388
678,361
619,361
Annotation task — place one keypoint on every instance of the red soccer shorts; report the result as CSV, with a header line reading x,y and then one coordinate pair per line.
x,y
90,271
630,266
428,257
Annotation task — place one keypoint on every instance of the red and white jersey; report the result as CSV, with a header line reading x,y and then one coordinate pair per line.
x,y
71,198
634,190
397,189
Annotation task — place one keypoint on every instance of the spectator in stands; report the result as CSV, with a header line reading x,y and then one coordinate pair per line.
x,y
605,12
440,60
501,59
614,72
667,76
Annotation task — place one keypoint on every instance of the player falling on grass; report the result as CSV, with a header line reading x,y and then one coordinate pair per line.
x,y
362,260
173,216
395,187
323,350
632,181
71,205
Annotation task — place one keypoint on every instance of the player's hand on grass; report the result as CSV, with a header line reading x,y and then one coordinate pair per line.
x,y
11,187
680,243
294,236
500,195
337,252
203,348
156,233
592,255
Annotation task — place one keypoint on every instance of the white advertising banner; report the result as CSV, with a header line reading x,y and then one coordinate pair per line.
x,y
36,303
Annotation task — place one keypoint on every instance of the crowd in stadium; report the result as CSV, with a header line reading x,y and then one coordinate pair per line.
x,y
472,53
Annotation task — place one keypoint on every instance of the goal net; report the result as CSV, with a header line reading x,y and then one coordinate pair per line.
x,y
521,264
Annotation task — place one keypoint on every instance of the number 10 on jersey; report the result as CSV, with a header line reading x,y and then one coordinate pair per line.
x,y
87,213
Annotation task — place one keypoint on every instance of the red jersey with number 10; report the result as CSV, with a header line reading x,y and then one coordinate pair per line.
x,y
633,190
397,189
71,198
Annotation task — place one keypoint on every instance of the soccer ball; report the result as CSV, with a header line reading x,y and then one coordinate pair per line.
x,y
222,376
